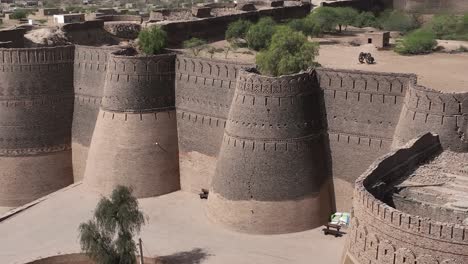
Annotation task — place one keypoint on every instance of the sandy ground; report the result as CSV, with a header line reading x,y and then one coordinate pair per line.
x,y
440,71
177,229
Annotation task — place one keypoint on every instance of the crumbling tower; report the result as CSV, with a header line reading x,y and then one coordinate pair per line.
x,y
271,174
135,139
36,106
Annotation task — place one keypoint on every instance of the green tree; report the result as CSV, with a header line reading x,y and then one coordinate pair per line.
x,y
19,14
289,52
420,41
238,29
196,45
346,16
308,26
152,40
445,26
108,237
259,35
326,18
398,21
366,19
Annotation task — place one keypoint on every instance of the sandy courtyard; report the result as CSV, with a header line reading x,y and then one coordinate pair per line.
x,y
177,229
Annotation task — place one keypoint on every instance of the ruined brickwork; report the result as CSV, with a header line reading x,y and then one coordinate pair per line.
x,y
36,101
383,234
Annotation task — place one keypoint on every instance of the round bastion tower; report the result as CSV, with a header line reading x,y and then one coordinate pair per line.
x,y
426,110
271,174
135,139
36,108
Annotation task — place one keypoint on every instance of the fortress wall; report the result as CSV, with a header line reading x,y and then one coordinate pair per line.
x,y
432,6
271,174
427,110
135,139
215,27
36,104
362,111
89,74
382,234
204,90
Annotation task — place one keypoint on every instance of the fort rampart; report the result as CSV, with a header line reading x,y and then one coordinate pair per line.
x,y
36,106
204,91
183,105
383,234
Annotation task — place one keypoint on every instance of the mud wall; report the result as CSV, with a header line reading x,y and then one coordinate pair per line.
x,y
432,6
135,140
271,174
16,36
426,110
362,110
36,106
215,27
382,234
204,90
90,69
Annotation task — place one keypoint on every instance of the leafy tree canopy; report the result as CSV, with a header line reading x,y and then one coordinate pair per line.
x,y
108,237
289,52
259,35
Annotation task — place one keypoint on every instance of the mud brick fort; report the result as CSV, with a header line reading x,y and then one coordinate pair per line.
x,y
278,155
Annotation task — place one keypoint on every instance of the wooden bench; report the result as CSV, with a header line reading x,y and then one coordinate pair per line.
x,y
332,229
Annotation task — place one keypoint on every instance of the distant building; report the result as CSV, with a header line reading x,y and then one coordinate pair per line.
x,y
69,18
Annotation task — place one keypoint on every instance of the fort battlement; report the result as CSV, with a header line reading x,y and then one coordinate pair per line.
x,y
386,235
350,113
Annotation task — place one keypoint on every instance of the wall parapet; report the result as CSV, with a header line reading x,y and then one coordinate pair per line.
x,y
378,227
139,83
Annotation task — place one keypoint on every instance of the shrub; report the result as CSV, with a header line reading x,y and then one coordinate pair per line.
x,y
289,52
19,14
420,41
346,16
259,35
196,45
366,19
152,40
445,26
238,29
398,21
